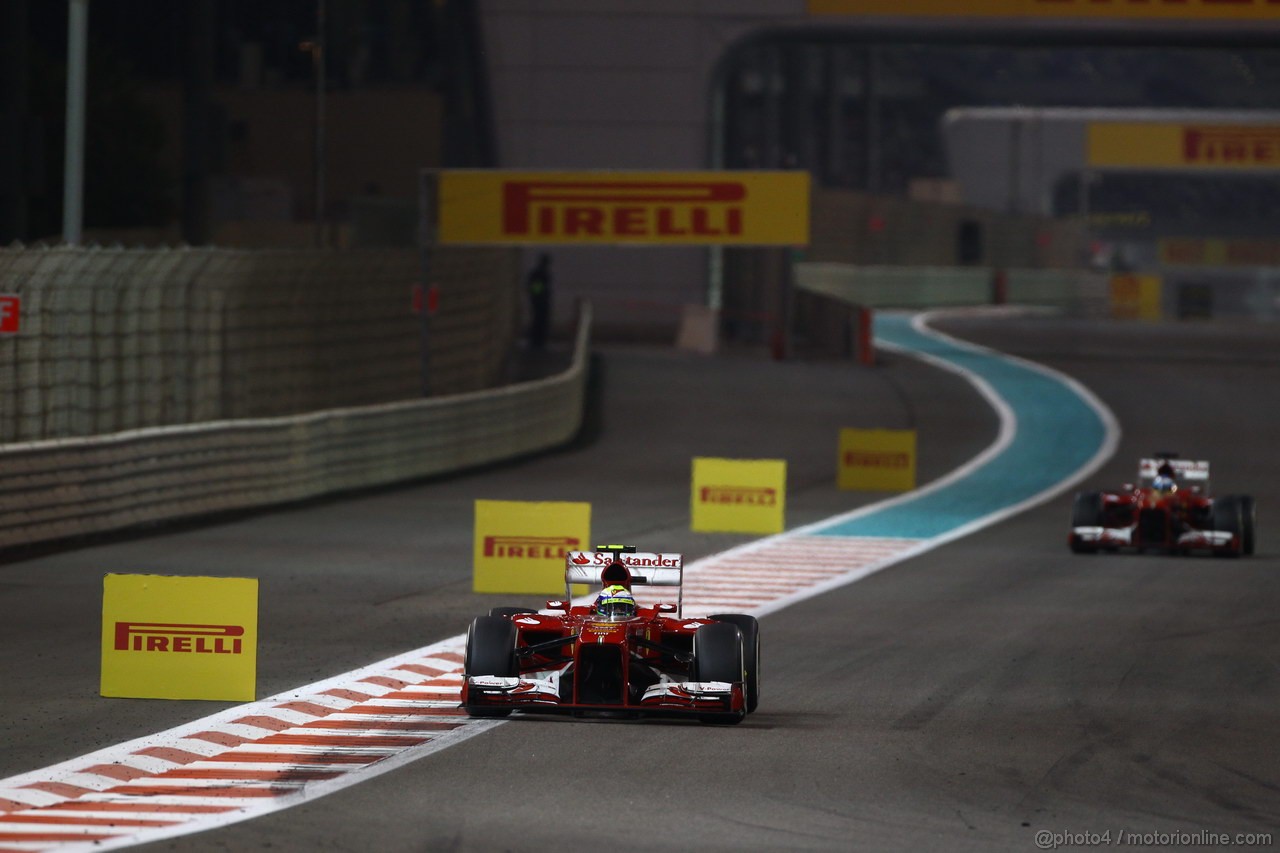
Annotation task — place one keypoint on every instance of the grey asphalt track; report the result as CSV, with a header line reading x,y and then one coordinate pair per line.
x,y
964,700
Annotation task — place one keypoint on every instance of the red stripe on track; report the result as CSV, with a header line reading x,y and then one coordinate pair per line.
x,y
87,821
211,791
168,753
398,711
116,806
62,789
307,708
349,695
390,725
346,740
230,773
298,758
221,738
119,772
455,693
270,723
384,681
423,670
13,806
54,836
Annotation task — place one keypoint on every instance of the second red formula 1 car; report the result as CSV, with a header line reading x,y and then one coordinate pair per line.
x,y
1168,509
615,656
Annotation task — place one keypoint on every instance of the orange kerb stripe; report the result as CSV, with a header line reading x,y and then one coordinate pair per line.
x,y
396,711
389,725
298,758
230,773
86,821
270,723
60,788
116,806
216,791
53,836
369,741
119,772
307,708
168,753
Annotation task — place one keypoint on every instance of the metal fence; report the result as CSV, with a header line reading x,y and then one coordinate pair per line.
x,y
118,339
72,487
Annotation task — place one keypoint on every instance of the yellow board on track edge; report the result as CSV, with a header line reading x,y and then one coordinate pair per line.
x,y
520,546
877,460
738,495
167,637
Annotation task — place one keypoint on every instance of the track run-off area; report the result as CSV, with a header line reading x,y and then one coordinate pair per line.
x,y
251,760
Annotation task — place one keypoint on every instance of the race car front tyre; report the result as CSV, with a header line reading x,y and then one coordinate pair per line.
x,y
717,656
750,629
1249,521
1228,515
1086,511
491,650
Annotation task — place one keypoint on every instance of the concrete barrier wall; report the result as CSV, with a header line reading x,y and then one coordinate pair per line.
x,y
71,487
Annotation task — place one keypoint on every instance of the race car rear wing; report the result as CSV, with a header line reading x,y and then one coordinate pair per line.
x,y
1186,470
645,569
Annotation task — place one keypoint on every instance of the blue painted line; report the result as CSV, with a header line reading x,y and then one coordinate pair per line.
x,y
1054,432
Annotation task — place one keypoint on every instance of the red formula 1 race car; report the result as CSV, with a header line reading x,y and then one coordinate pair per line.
x,y
1169,509
615,656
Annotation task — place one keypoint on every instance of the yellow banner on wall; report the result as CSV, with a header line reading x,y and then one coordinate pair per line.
x,y
1136,297
1159,145
624,208
169,637
1164,9
739,495
520,546
877,460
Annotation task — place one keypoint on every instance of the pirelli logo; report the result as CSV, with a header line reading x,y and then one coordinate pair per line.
x,y
620,209
182,638
697,208
739,495
1232,146
877,459
530,547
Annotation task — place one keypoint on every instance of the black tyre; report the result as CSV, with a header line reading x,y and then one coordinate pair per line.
x,y
510,611
1228,515
1249,518
1086,511
750,629
717,656
491,650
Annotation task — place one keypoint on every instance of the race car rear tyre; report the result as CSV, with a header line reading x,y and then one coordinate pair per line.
x,y
1228,515
510,611
491,650
750,629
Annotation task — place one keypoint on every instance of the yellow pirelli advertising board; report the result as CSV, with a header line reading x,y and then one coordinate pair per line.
x,y
169,637
739,495
877,460
1160,145
520,546
477,207
1247,10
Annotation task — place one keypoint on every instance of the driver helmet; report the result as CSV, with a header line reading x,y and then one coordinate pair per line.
x,y
1164,485
615,603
